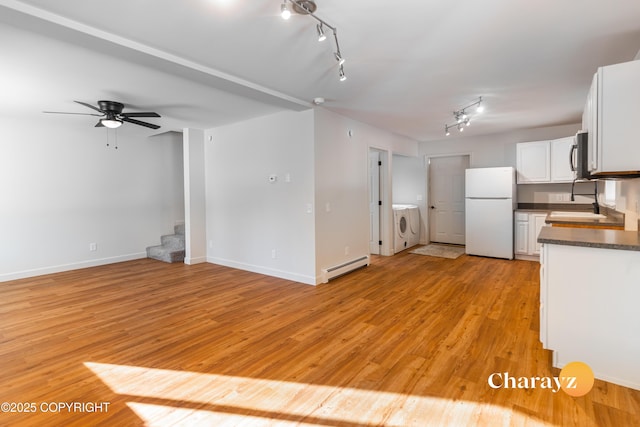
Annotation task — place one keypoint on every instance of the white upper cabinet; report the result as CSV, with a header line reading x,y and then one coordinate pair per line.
x,y
610,117
544,161
533,162
560,161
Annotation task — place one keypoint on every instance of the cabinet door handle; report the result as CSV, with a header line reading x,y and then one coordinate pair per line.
x,y
572,164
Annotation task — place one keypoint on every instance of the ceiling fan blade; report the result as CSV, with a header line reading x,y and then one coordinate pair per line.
x,y
89,105
138,122
148,114
99,124
79,114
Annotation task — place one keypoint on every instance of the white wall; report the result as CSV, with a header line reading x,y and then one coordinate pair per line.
x,y
408,186
341,184
497,149
316,220
252,223
63,189
557,193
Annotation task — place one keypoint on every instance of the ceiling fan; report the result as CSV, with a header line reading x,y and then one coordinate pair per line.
x,y
112,115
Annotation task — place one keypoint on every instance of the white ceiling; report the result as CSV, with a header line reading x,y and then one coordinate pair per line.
x,y
410,63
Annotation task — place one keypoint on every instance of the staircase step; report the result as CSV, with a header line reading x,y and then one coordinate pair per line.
x,y
174,241
162,253
179,229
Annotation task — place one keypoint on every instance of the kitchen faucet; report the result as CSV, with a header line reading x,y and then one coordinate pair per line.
x,y
596,205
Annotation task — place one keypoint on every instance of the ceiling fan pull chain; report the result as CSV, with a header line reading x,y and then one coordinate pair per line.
x,y
107,137
115,131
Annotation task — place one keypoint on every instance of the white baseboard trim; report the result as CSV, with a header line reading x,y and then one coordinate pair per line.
x,y
195,260
307,280
68,267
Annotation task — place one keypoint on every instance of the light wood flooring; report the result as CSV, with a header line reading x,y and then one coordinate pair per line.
x,y
408,341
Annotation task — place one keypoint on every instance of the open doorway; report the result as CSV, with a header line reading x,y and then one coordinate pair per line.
x,y
446,198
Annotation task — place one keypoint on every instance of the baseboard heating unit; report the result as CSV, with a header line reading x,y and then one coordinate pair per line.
x,y
344,268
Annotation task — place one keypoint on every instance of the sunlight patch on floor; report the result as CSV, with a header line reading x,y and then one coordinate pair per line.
x,y
163,397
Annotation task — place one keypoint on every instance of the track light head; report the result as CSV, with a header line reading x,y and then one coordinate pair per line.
x,y
321,36
339,58
446,130
480,107
343,77
284,11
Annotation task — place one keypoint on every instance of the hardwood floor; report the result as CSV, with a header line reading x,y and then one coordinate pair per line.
x,y
408,341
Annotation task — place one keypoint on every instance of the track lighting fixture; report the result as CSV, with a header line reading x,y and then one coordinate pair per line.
x,y
284,11
308,7
463,117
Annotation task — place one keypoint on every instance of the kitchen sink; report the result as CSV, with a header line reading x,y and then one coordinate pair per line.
x,y
585,215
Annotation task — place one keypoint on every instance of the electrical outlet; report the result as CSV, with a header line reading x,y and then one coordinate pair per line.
x,y
346,250
93,247
274,254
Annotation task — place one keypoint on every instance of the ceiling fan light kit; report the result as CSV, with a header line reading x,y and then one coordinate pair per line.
x,y
308,7
463,117
111,123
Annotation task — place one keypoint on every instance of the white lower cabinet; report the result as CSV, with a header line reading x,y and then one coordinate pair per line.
x,y
589,310
527,227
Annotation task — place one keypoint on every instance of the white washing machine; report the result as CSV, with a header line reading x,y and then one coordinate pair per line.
x,y
413,233
400,228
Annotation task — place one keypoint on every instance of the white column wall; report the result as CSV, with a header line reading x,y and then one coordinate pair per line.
x,y
194,197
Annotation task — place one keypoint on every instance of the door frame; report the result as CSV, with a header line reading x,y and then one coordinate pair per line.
x,y
427,163
385,217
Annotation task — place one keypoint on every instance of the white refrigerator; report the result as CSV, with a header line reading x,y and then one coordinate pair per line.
x,y
490,199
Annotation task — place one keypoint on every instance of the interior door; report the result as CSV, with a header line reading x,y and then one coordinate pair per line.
x,y
446,199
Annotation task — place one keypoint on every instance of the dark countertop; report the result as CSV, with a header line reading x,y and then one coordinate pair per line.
x,y
591,238
564,207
